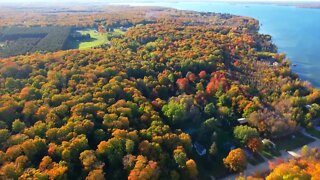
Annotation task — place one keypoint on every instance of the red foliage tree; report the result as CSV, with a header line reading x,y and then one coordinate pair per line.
x,y
182,83
202,74
217,81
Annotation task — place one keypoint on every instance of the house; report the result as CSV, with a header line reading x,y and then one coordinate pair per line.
x,y
200,149
308,106
294,154
242,121
275,64
268,142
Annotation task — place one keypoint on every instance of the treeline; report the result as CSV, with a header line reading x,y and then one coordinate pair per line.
x,y
20,40
139,108
116,16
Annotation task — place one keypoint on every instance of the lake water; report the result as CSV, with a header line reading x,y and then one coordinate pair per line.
x,y
296,31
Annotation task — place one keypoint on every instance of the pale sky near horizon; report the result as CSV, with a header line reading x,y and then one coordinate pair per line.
x,y
71,2
130,1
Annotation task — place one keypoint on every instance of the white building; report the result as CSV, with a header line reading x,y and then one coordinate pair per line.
x,y
242,121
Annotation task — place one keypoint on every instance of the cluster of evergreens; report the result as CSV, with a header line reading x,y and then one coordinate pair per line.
x,y
20,40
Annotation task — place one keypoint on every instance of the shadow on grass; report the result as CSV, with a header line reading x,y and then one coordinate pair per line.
x,y
75,43
255,159
271,153
314,132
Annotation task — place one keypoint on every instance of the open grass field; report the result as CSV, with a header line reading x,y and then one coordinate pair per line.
x,y
96,38
21,40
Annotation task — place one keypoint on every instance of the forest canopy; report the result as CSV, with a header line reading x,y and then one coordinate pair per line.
x,y
160,102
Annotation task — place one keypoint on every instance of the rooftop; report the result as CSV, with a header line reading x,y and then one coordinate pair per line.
x,y
294,154
242,120
200,149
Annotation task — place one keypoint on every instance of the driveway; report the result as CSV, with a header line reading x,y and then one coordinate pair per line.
x,y
264,167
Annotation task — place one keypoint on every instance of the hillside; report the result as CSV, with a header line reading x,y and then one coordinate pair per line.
x,y
150,103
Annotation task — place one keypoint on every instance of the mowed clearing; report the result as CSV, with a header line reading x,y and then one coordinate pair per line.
x,y
96,38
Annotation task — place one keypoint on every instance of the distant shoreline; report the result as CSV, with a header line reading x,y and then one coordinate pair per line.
x,y
312,6
301,4
94,3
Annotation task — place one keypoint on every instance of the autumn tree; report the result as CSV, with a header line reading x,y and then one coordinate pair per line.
x,y
96,174
191,167
89,160
236,160
244,133
213,149
255,145
290,170
34,149
180,157
181,108
271,122
144,169
18,126
4,135
113,150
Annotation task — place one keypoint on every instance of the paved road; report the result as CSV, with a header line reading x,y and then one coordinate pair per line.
x,y
264,167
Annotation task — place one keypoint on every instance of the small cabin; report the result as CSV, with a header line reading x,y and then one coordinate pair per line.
x,y
242,121
200,149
